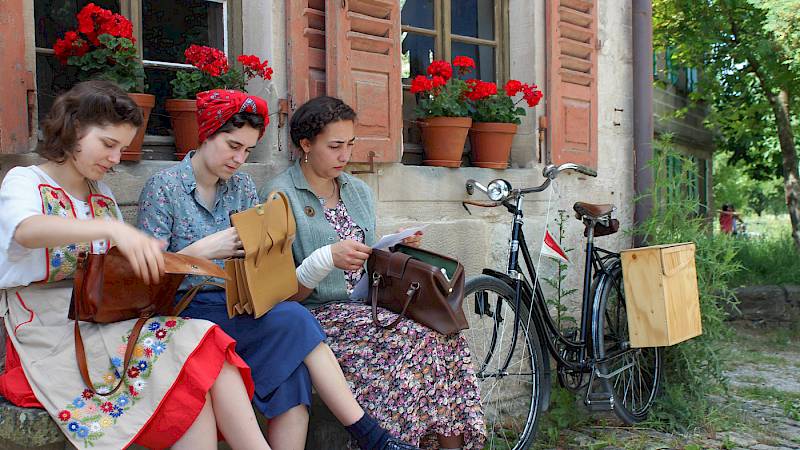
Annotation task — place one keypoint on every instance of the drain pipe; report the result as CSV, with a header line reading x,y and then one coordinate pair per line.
x,y
642,110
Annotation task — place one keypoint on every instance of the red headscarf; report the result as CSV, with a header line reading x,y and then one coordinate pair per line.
x,y
217,106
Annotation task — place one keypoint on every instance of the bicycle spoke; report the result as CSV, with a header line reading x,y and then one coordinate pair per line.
x,y
507,393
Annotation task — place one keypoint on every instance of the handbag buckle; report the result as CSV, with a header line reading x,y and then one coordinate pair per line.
x,y
413,288
376,279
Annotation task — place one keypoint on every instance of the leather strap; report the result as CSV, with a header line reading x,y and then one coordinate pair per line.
x,y
80,355
291,226
413,290
191,293
80,352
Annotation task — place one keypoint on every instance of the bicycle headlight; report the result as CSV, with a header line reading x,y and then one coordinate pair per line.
x,y
498,189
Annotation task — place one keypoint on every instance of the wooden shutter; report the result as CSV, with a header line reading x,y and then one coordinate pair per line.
x,y
363,41
305,29
572,80
17,107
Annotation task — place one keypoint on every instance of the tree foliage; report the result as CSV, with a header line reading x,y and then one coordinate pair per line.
x,y
749,54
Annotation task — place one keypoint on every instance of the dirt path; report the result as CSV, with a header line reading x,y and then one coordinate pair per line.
x,y
764,407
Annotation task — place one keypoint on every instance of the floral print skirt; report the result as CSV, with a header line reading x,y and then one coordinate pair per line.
x,y
416,382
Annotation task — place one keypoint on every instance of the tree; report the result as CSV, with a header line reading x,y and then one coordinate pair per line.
x,y
749,53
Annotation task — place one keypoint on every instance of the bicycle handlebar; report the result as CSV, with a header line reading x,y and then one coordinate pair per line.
x,y
550,172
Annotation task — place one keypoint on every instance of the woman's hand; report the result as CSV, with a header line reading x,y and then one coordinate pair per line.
x,y
415,240
350,255
220,245
143,252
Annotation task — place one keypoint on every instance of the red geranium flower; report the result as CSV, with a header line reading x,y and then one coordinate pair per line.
x,y
133,372
208,59
64,415
531,94
438,81
70,45
255,65
442,69
94,21
480,89
421,83
513,87
465,64
464,61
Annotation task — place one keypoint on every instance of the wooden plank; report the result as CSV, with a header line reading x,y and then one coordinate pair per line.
x,y
18,106
661,295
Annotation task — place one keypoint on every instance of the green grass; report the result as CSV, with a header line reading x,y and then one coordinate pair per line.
x,y
769,257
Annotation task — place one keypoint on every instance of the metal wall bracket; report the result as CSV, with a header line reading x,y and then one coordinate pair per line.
x,y
371,156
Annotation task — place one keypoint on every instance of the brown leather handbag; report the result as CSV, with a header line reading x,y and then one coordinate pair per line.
x,y
107,290
424,286
266,274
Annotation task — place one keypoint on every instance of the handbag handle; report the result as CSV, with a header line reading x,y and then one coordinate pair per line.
x,y
80,352
413,290
291,226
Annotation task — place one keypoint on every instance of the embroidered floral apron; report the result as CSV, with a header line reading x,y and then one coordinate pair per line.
x,y
37,324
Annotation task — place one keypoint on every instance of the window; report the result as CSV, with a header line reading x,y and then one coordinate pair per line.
x,y
444,29
163,30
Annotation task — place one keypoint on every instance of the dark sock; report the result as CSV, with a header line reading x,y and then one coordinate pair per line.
x,y
368,433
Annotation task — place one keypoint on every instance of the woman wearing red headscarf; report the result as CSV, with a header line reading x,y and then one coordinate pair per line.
x,y
188,205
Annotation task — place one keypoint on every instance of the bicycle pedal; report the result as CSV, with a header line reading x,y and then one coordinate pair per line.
x,y
599,401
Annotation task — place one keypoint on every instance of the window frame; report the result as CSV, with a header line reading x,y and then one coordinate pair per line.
x,y
443,44
132,9
444,38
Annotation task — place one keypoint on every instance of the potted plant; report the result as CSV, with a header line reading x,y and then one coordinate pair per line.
x,y
495,116
213,72
443,111
103,48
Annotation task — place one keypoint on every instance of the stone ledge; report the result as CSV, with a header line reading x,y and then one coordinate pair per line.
x,y
771,303
28,428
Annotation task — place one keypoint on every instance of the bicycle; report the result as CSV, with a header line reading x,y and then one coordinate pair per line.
x,y
512,357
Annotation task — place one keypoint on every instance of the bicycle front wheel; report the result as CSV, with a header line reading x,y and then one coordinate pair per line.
x,y
509,367
632,375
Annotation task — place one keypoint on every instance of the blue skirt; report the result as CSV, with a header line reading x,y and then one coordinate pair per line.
x,y
274,346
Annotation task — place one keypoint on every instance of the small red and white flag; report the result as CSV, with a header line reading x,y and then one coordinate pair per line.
x,y
551,249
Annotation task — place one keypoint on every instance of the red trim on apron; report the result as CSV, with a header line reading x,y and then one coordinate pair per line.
x,y
22,302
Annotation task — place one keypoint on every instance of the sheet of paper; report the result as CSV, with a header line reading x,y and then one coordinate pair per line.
x,y
361,288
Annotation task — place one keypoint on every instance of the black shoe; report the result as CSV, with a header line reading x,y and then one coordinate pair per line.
x,y
396,444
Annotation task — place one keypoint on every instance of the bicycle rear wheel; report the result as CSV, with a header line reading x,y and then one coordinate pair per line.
x,y
632,375
510,396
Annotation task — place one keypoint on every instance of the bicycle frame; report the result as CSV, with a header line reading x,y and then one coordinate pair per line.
x,y
546,328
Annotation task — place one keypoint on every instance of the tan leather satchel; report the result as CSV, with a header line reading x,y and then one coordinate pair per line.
x,y
266,274
106,290
421,285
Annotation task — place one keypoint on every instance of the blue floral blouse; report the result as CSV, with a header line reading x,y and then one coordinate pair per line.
x,y
170,208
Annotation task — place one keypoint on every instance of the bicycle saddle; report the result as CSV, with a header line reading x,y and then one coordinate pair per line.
x,y
592,211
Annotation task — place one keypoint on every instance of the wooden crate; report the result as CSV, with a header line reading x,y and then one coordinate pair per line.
x,y
661,294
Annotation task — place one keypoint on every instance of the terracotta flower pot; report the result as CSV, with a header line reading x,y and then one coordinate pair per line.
x,y
491,144
183,116
146,103
443,139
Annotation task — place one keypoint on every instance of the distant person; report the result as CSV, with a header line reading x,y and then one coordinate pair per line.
x,y
726,220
